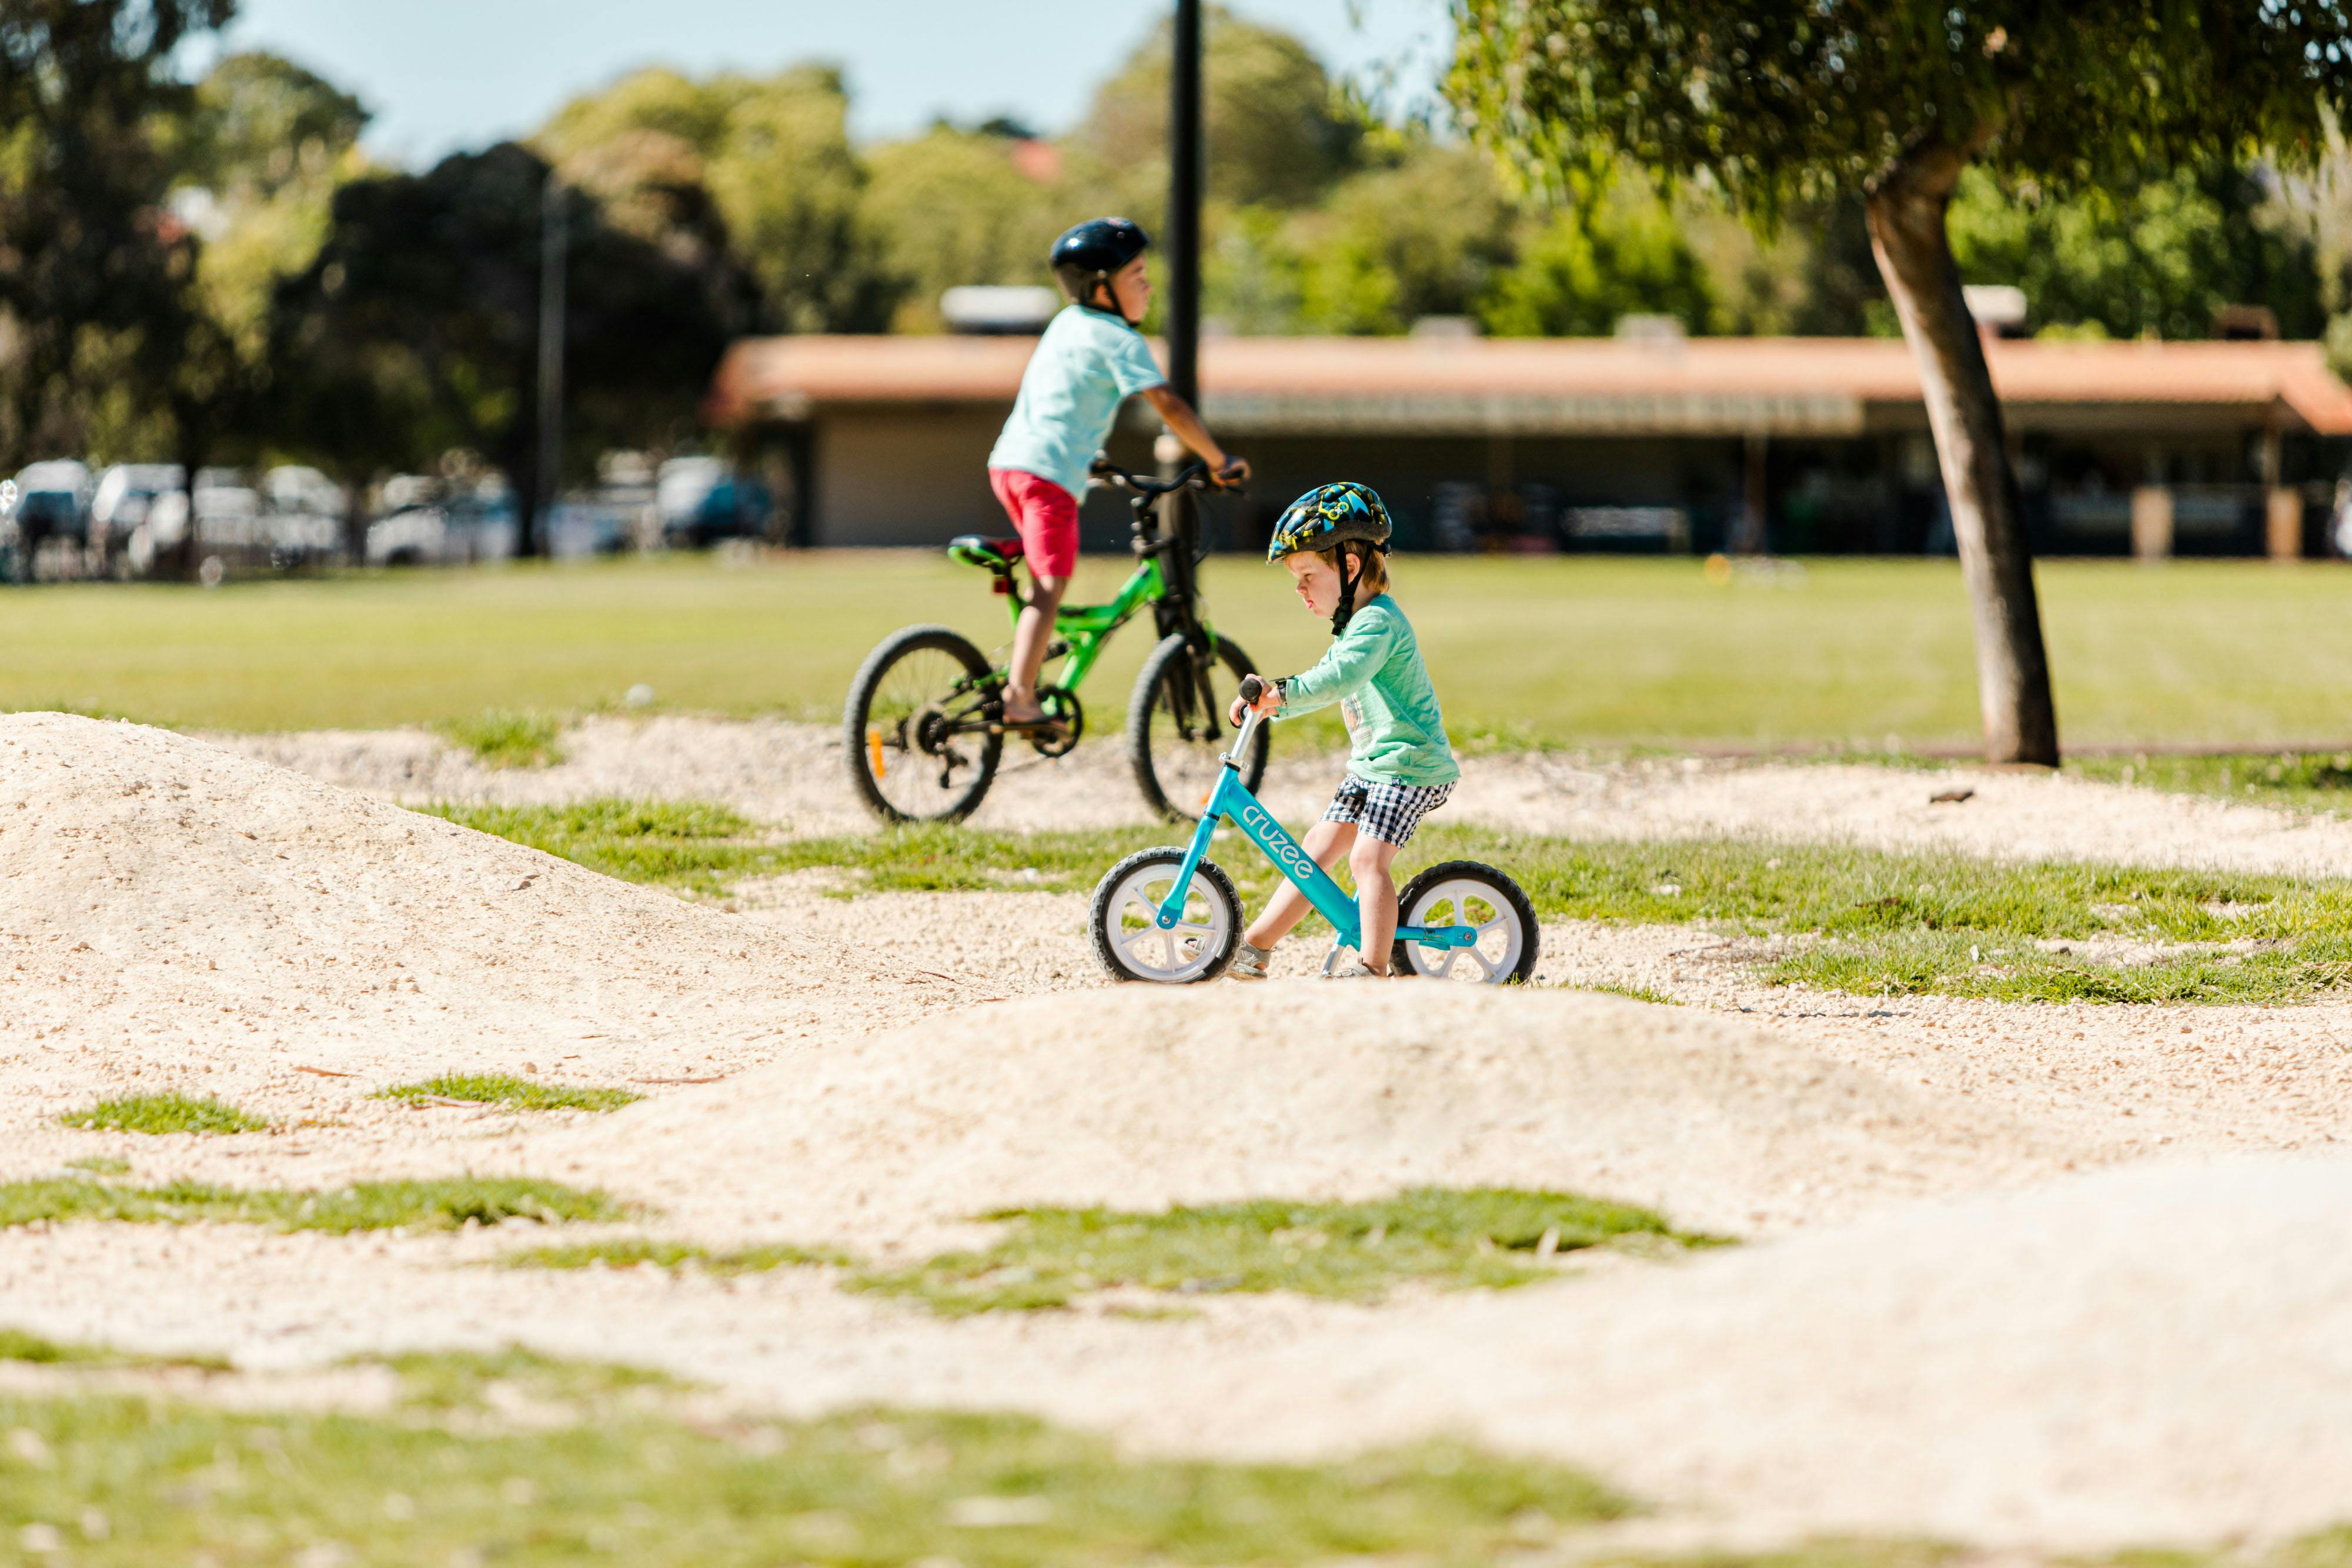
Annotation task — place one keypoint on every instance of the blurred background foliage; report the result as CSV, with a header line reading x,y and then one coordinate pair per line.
x,y
216,271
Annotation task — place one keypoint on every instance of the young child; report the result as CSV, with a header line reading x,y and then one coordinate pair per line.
x,y
1400,767
1091,360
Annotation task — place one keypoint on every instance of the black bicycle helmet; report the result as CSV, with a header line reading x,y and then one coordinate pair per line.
x,y
1327,517
1089,253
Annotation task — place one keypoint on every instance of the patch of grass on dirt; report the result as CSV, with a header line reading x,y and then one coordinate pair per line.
x,y
17,1345
935,858
453,1380
129,1482
693,846
1487,1237
363,1206
639,1252
502,1088
99,1165
161,1113
500,738
1631,993
1899,924
2301,780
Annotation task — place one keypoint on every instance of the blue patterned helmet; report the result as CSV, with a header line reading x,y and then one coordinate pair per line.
x,y
1327,515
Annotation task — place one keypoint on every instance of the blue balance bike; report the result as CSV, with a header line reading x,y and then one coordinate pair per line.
x,y
1171,915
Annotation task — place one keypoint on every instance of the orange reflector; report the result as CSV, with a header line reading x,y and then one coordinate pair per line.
x,y
874,750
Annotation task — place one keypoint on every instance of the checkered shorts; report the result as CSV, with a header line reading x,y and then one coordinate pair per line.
x,y
1389,812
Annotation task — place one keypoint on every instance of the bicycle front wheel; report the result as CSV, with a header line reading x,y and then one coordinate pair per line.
x,y
918,733
1176,728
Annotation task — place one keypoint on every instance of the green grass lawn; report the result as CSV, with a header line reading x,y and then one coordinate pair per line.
x,y
1558,651
128,1482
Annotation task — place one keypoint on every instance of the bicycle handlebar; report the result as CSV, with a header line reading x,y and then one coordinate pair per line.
x,y
1193,476
1252,689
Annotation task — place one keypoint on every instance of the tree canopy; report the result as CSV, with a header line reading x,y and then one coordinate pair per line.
x,y
773,153
1775,99
422,304
1275,130
93,277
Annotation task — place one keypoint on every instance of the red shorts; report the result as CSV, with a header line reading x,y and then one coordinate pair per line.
x,y
1044,514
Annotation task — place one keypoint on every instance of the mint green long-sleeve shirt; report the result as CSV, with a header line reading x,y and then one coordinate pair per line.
x,y
1396,732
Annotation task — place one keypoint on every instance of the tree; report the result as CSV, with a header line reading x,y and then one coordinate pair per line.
x,y
415,330
2160,257
776,161
951,207
1776,99
256,153
92,269
1275,132
260,123
1611,249
1423,237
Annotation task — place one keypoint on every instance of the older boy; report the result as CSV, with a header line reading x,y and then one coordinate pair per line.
x,y
1091,360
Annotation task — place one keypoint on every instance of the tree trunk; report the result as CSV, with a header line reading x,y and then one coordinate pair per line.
x,y
1907,208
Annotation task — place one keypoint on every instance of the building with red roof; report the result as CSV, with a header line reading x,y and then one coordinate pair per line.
x,y
1660,443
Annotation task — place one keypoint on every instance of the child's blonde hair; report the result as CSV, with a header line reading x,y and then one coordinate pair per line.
x,y
1371,565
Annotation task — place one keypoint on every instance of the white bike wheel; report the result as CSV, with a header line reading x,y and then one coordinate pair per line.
x,y
1463,893
1128,939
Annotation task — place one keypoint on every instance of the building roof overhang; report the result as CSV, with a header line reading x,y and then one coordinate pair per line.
x,y
1572,386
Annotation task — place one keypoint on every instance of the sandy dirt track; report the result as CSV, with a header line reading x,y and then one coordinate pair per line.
x,y
2009,1281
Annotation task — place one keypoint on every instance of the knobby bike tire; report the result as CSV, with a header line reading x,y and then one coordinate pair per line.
x,y
1172,658
858,750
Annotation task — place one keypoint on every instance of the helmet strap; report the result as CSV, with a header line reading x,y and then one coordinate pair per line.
x,y
1349,580
1110,306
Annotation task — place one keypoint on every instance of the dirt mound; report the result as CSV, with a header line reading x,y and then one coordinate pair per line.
x,y
1142,1097
2138,1357
171,902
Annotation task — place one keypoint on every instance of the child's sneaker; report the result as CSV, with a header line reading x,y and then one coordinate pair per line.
x,y
1249,963
1359,970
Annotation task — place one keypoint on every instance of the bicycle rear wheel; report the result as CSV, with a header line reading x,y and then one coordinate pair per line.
x,y
918,733
1464,893
1176,727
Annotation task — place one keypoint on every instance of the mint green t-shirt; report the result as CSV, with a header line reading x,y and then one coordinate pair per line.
x,y
1396,733
1087,364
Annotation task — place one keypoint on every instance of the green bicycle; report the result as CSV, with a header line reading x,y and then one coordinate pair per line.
x,y
923,730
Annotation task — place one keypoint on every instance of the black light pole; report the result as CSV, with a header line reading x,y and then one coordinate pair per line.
x,y
554,244
1184,234
1184,206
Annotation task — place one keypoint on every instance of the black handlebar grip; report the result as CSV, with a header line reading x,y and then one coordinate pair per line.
x,y
1252,689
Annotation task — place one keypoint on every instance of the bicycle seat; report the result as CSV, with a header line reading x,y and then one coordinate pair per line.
x,y
997,555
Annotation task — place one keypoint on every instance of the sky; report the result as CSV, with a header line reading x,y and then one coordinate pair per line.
x,y
441,74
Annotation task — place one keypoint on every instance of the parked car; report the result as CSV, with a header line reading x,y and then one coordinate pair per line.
x,y
305,511
703,499
126,493
228,521
460,530
53,503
